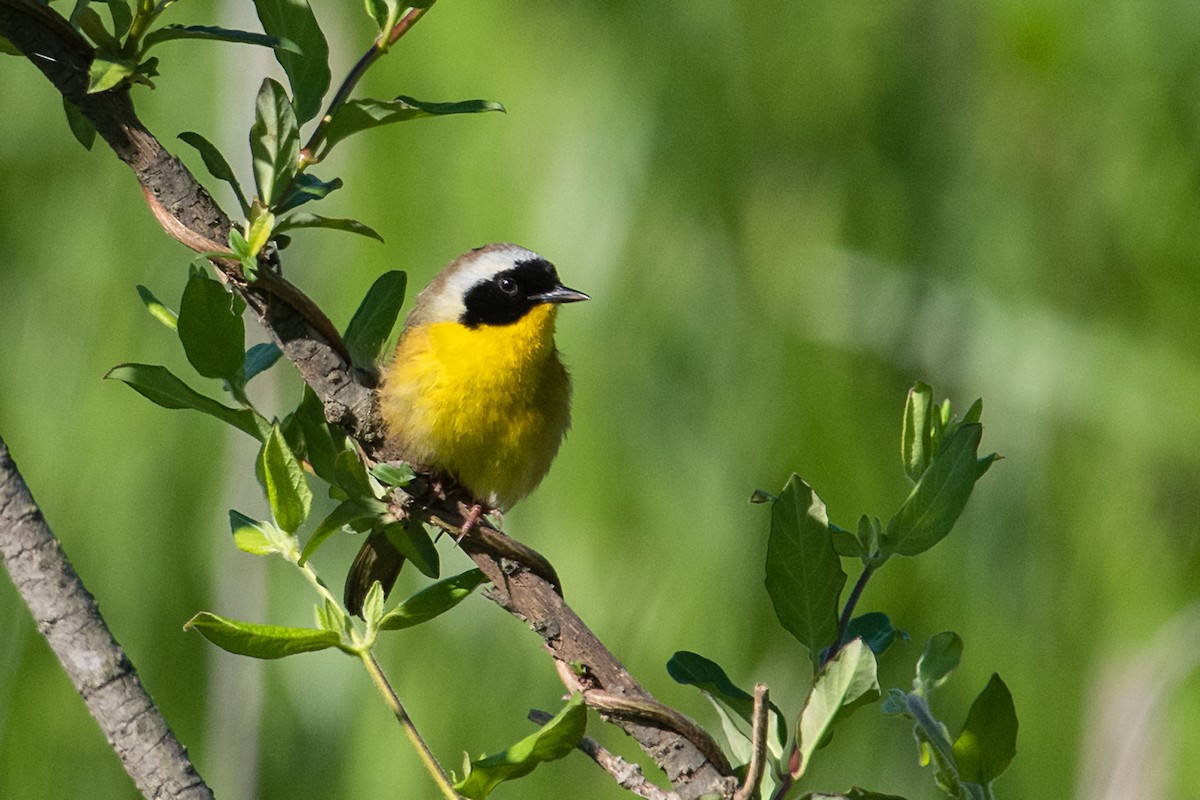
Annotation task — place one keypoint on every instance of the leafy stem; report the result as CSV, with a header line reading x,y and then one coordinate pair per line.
x,y
410,729
309,153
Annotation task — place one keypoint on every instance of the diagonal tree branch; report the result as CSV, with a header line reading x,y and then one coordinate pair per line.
x,y
67,616
691,760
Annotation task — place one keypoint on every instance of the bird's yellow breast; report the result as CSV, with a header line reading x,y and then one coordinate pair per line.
x,y
488,404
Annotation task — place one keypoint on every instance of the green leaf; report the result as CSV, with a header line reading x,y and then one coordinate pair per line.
x,y
308,187
359,115
262,224
274,142
393,474
89,22
941,656
351,476
158,385
804,574
213,336
216,165
308,69
157,310
845,683
322,444
432,601
845,543
106,73
81,127
10,49
122,16
304,220
876,629
346,513
250,535
413,542
283,478
372,323
938,499
259,358
169,33
261,641
988,740
916,445
693,669
854,794
552,741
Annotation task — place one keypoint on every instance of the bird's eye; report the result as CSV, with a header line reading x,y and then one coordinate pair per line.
x,y
507,285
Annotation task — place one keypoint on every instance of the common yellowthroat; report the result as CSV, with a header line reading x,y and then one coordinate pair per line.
x,y
476,390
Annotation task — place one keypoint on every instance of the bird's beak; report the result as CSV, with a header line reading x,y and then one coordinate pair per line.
x,y
560,294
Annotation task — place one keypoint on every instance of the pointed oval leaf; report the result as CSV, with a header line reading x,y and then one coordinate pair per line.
x,y
274,142
413,542
213,336
432,601
302,219
250,535
260,641
283,479
158,385
307,188
168,33
988,740
216,164
322,444
848,681
372,323
915,439
81,127
693,669
307,69
876,629
804,573
552,741
346,513
938,499
106,73
260,358
157,310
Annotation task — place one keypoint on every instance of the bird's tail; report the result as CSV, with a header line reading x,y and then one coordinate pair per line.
x,y
377,560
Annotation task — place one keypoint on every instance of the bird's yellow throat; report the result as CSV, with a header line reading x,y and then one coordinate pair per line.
x,y
487,404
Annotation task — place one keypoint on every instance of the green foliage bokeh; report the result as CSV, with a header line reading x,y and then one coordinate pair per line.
x,y
785,212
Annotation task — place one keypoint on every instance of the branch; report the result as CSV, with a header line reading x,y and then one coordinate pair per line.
x,y
758,744
67,616
692,761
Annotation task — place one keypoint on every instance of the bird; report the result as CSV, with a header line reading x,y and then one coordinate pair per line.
x,y
475,390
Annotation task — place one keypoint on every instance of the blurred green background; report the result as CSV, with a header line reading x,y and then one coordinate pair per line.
x,y
785,213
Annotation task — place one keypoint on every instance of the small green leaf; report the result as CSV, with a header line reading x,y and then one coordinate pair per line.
x,y
250,535
876,629
432,601
261,226
988,740
351,476
393,474
213,336
89,22
372,323
158,385
157,310
302,219
385,13
10,49
895,703
759,496
322,444
121,16
845,683
942,655
372,609
274,142
106,73
259,358
804,574
413,542
346,513
939,497
308,187
283,478
260,641
693,669
81,127
854,794
552,741
359,115
216,165
845,543
916,447
169,33
308,68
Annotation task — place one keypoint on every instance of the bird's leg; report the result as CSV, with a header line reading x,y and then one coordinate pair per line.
x,y
470,520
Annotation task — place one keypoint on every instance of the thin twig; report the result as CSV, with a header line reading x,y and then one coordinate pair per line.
x,y
629,776
758,744
67,615
410,728
848,612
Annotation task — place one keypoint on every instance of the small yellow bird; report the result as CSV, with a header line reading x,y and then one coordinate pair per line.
x,y
475,390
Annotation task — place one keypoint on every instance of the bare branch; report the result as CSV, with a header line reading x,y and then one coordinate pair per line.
x,y
758,744
67,616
